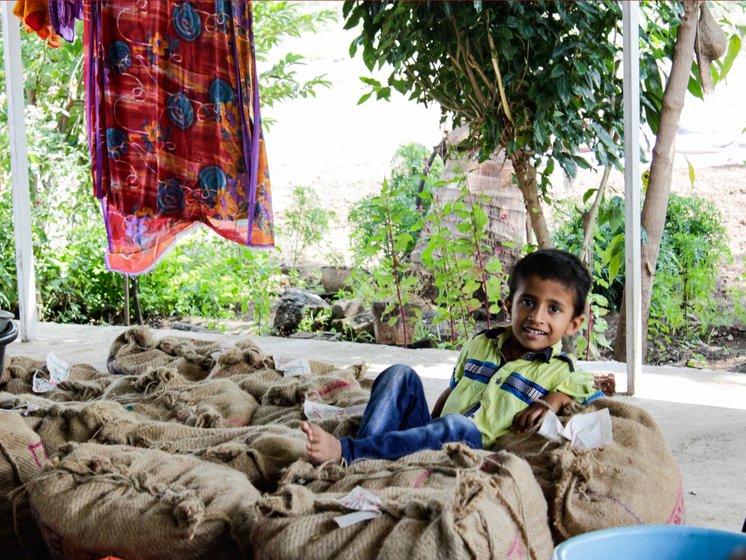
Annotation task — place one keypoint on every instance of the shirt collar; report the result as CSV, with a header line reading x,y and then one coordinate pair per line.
x,y
502,334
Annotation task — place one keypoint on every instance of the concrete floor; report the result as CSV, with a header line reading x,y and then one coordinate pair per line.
x,y
702,413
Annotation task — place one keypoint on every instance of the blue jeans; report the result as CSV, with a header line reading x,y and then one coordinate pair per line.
x,y
397,422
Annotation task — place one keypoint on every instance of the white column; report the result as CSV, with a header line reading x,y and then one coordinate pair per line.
x,y
19,171
632,230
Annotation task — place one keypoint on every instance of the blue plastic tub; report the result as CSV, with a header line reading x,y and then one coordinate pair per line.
x,y
653,542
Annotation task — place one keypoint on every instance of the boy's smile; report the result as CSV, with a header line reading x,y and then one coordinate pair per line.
x,y
542,312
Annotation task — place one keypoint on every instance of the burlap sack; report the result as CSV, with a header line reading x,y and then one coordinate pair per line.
x,y
79,422
479,516
261,454
168,436
164,394
633,481
244,357
94,501
22,456
215,403
84,382
135,352
424,469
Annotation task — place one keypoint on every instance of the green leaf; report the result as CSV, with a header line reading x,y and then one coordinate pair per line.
x,y
364,98
691,171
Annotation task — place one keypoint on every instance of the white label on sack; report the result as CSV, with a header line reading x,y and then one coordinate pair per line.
x,y
320,411
294,368
23,409
59,369
366,504
40,385
356,517
361,499
585,431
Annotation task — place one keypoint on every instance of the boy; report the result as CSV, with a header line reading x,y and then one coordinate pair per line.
x,y
504,377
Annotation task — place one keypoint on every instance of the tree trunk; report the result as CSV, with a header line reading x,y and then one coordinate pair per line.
x,y
526,175
653,217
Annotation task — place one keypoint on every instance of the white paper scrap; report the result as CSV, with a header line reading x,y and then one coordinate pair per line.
x,y
319,411
355,517
585,431
40,385
59,369
24,409
293,368
366,505
216,355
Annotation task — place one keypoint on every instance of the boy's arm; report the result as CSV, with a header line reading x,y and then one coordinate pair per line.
x,y
528,418
438,408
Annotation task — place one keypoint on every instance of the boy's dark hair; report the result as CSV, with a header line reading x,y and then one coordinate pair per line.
x,y
553,264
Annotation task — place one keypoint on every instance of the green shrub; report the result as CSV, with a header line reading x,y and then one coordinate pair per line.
x,y
306,222
693,247
402,196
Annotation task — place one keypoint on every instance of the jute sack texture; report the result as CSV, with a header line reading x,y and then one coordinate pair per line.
x,y
494,511
79,422
93,501
137,350
282,400
424,469
164,394
21,459
261,453
633,481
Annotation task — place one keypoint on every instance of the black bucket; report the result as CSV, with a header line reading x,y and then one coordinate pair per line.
x,y
9,334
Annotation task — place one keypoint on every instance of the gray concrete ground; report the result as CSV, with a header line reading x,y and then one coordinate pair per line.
x,y
702,413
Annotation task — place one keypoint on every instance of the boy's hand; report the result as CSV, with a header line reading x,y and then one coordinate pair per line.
x,y
527,419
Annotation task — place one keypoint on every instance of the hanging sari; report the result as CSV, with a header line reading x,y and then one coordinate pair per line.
x,y
174,125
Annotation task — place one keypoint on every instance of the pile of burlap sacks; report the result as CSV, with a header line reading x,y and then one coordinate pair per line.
x,y
186,449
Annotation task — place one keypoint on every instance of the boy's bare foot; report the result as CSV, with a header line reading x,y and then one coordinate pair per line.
x,y
322,446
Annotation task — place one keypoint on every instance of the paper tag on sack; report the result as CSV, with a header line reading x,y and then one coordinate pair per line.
x,y
320,411
366,505
41,385
293,368
216,355
24,409
585,431
59,369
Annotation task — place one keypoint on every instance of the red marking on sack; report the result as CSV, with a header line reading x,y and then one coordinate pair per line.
x,y
677,515
516,549
32,447
421,478
332,387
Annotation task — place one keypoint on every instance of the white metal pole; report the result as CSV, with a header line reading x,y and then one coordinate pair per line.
x,y
632,229
19,171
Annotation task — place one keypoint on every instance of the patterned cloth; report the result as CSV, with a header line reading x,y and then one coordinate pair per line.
x,y
174,125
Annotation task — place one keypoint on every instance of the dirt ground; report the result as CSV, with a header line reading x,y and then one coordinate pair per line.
x,y
343,150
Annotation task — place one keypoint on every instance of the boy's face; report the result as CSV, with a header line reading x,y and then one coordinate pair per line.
x,y
542,312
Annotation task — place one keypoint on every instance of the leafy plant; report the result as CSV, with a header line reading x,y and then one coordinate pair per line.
x,y
693,247
409,184
306,222
461,262
274,22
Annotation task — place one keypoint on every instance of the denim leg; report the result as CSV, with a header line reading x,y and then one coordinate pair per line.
x,y
397,402
392,445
